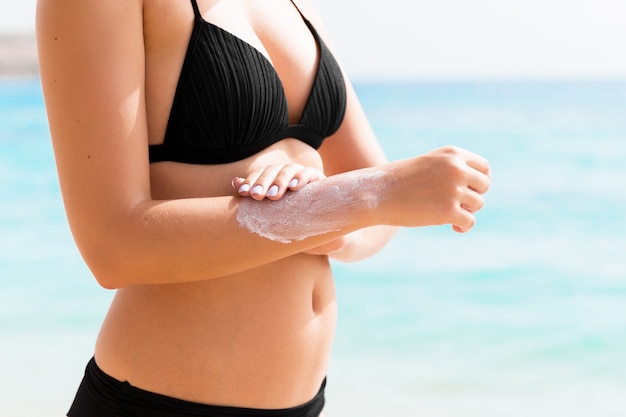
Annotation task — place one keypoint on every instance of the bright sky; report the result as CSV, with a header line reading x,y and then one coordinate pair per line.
x,y
17,15
458,38
479,38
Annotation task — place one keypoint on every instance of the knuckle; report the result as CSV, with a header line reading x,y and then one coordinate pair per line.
x,y
487,184
480,204
450,150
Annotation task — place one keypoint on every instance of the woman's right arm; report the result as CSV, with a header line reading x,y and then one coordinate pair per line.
x,y
92,71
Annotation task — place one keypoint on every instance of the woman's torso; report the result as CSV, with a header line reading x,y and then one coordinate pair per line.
x,y
260,338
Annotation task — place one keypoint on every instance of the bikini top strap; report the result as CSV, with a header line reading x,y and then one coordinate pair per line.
x,y
196,10
298,9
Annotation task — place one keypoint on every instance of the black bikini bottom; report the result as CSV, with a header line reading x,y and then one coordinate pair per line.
x,y
101,395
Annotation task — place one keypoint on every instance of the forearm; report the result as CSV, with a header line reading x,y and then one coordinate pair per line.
x,y
196,239
363,243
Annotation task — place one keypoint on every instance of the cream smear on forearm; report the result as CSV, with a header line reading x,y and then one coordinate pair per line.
x,y
320,207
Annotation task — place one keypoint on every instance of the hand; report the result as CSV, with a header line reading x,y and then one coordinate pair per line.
x,y
329,248
444,186
273,181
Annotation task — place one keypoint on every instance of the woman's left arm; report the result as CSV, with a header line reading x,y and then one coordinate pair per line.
x,y
353,146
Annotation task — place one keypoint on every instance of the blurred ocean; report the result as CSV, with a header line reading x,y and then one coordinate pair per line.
x,y
523,316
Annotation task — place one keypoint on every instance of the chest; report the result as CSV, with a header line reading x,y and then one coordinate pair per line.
x,y
274,28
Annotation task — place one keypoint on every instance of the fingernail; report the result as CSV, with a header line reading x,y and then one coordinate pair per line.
x,y
293,183
233,182
257,189
244,188
273,191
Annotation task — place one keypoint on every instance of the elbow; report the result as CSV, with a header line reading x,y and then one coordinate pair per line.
x,y
117,269
115,262
107,276
106,282
105,266
124,258
122,248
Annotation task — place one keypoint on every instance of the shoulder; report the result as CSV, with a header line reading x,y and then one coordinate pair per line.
x,y
83,21
95,11
82,39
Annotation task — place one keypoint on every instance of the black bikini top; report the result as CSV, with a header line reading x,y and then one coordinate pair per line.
x,y
230,103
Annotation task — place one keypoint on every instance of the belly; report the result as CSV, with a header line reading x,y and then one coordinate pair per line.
x,y
258,339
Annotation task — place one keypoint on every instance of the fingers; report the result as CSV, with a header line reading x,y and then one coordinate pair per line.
x,y
329,248
462,229
462,216
274,181
478,171
479,163
478,181
472,202
470,198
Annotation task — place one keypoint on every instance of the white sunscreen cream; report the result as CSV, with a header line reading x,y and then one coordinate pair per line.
x,y
318,208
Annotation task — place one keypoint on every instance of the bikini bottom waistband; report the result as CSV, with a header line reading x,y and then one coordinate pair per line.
x,y
100,395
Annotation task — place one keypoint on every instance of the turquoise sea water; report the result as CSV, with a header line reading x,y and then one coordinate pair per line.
x,y
524,316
